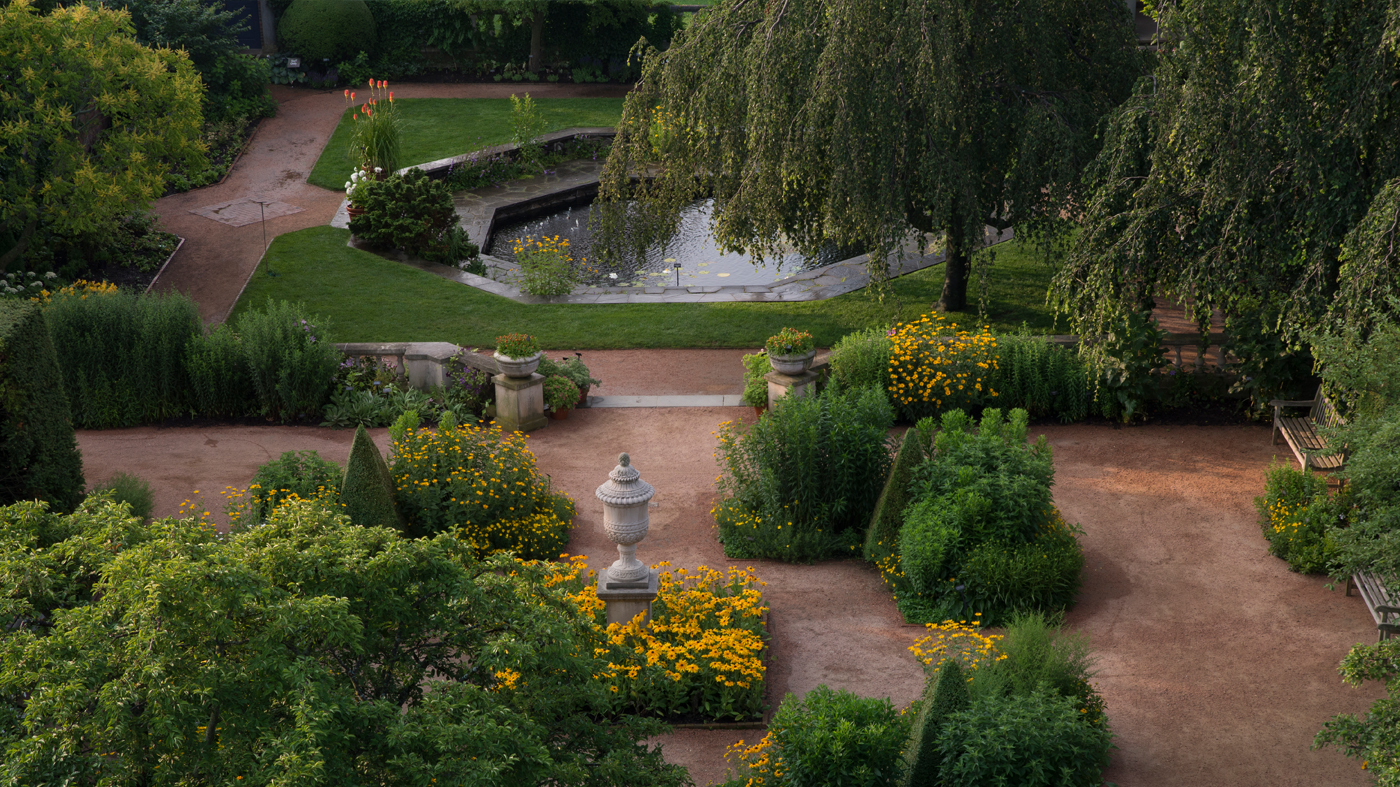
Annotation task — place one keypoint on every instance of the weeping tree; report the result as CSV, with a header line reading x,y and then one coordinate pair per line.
x,y
868,124
1257,171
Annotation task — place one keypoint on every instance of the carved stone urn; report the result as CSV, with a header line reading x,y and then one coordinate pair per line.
x,y
625,519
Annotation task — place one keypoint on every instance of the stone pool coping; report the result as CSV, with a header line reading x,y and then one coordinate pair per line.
x,y
478,209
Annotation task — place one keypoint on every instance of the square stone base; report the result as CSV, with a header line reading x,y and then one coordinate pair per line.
x,y
624,604
520,402
780,385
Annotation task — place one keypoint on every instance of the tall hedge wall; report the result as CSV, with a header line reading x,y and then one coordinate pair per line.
x,y
39,456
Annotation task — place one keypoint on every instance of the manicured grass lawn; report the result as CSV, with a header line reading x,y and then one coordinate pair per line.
x,y
369,299
435,128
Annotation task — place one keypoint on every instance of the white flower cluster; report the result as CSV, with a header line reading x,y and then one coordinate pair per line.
x,y
356,178
15,285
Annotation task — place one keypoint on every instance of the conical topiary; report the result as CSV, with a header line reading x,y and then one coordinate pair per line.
x,y
942,698
367,490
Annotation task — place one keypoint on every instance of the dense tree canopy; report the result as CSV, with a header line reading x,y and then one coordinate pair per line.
x,y
1257,171
90,121
863,124
306,651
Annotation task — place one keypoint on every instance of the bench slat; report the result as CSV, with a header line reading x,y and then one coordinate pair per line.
x,y
1380,602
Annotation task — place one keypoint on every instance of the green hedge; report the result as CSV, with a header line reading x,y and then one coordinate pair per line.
x,y
327,29
39,457
882,536
367,491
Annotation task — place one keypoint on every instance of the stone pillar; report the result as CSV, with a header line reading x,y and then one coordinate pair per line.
x,y
799,385
520,402
627,587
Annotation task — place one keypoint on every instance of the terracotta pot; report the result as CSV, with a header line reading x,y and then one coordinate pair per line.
x,y
791,364
583,396
759,410
354,212
560,415
518,367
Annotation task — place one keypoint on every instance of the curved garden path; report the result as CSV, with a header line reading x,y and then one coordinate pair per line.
x,y
1218,665
217,259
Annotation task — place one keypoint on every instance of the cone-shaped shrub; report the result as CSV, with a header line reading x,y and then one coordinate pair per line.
x,y
942,697
368,491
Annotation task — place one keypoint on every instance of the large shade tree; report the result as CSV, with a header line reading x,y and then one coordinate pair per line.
x,y
90,121
306,651
864,123
1256,172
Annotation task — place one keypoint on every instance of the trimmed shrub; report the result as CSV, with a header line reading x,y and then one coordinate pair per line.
x,y
801,483
834,739
413,213
1025,740
301,475
1045,380
942,697
292,366
882,535
334,29
132,490
861,359
39,457
367,490
123,355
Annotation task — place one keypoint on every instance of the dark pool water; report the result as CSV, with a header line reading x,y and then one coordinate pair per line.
x,y
691,258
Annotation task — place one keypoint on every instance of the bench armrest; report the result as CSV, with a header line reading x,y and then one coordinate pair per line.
x,y
1388,610
1292,403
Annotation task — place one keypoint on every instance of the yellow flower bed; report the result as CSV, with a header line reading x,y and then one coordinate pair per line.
x,y
937,366
700,656
80,289
961,641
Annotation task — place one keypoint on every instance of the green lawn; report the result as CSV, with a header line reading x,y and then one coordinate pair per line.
x,y
435,128
369,299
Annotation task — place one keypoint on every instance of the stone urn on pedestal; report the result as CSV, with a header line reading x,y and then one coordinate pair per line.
x,y
519,390
627,587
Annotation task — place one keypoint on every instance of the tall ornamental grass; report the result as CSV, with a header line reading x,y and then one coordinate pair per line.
x,y
1045,380
123,355
801,483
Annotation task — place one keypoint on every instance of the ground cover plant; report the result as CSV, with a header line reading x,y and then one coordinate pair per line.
x,y
437,128
980,535
701,656
363,297
306,650
799,484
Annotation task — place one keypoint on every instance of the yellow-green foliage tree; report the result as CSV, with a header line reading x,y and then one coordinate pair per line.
x,y
90,120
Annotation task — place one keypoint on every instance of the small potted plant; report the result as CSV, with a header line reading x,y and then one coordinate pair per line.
x,y
755,387
560,396
355,191
574,369
517,354
791,351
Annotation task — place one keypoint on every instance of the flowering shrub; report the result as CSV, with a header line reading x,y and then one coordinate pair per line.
x,y
546,267
935,366
560,393
296,475
961,641
79,289
700,655
1297,518
517,345
374,140
481,482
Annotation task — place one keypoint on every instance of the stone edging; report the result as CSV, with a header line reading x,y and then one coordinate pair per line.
x,y
166,264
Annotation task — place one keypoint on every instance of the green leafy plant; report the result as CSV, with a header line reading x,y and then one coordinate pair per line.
x,y
376,136
1129,357
755,386
366,489
527,124
546,267
131,489
1045,380
789,341
1031,740
861,359
1374,738
829,737
517,345
411,212
1037,653
291,362
300,474
800,484
572,368
331,30
943,696
560,393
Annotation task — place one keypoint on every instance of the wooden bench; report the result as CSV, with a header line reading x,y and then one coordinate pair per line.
x,y
1380,601
1301,433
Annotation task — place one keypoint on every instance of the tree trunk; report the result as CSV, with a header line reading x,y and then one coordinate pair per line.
x,y
537,41
957,265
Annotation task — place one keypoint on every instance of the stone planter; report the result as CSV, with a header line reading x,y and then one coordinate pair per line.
x,y
791,364
518,367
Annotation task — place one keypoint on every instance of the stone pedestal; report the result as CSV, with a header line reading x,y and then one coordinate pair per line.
x,y
799,385
520,402
625,600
